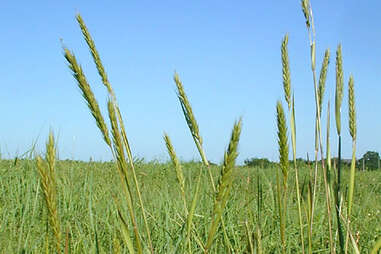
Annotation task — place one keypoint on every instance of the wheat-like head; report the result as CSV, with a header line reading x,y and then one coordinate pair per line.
x,y
352,108
187,109
48,185
282,140
175,161
225,182
93,50
352,131
51,153
232,153
339,88
323,78
286,71
305,9
116,136
87,94
178,168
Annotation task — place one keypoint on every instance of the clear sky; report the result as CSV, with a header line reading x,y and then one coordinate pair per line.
x,y
227,54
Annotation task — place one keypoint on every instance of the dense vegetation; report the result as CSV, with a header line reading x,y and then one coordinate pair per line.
x,y
85,206
369,161
128,206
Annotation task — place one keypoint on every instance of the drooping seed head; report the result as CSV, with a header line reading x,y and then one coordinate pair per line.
x,y
87,94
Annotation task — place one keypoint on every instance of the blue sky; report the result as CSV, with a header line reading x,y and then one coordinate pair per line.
x,y
227,54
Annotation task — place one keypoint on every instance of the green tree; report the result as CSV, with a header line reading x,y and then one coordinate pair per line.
x,y
369,161
258,162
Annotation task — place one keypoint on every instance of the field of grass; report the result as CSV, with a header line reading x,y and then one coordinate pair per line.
x,y
132,206
85,206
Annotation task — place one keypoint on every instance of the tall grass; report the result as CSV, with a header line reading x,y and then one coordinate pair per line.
x,y
119,145
47,174
338,102
319,89
224,184
291,108
184,209
282,185
353,133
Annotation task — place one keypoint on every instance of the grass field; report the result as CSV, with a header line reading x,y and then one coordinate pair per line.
x,y
85,206
132,206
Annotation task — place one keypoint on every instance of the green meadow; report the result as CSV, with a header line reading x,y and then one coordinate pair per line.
x,y
86,208
129,205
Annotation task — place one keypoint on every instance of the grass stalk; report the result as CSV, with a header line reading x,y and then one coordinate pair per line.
x,y
319,93
291,108
309,214
224,184
284,166
194,129
181,182
87,94
117,145
328,145
178,168
293,139
94,53
192,211
353,133
321,89
105,81
123,172
119,135
49,188
132,167
192,124
124,229
338,102
307,11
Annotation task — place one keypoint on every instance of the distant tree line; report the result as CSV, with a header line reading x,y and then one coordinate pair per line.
x,y
369,161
